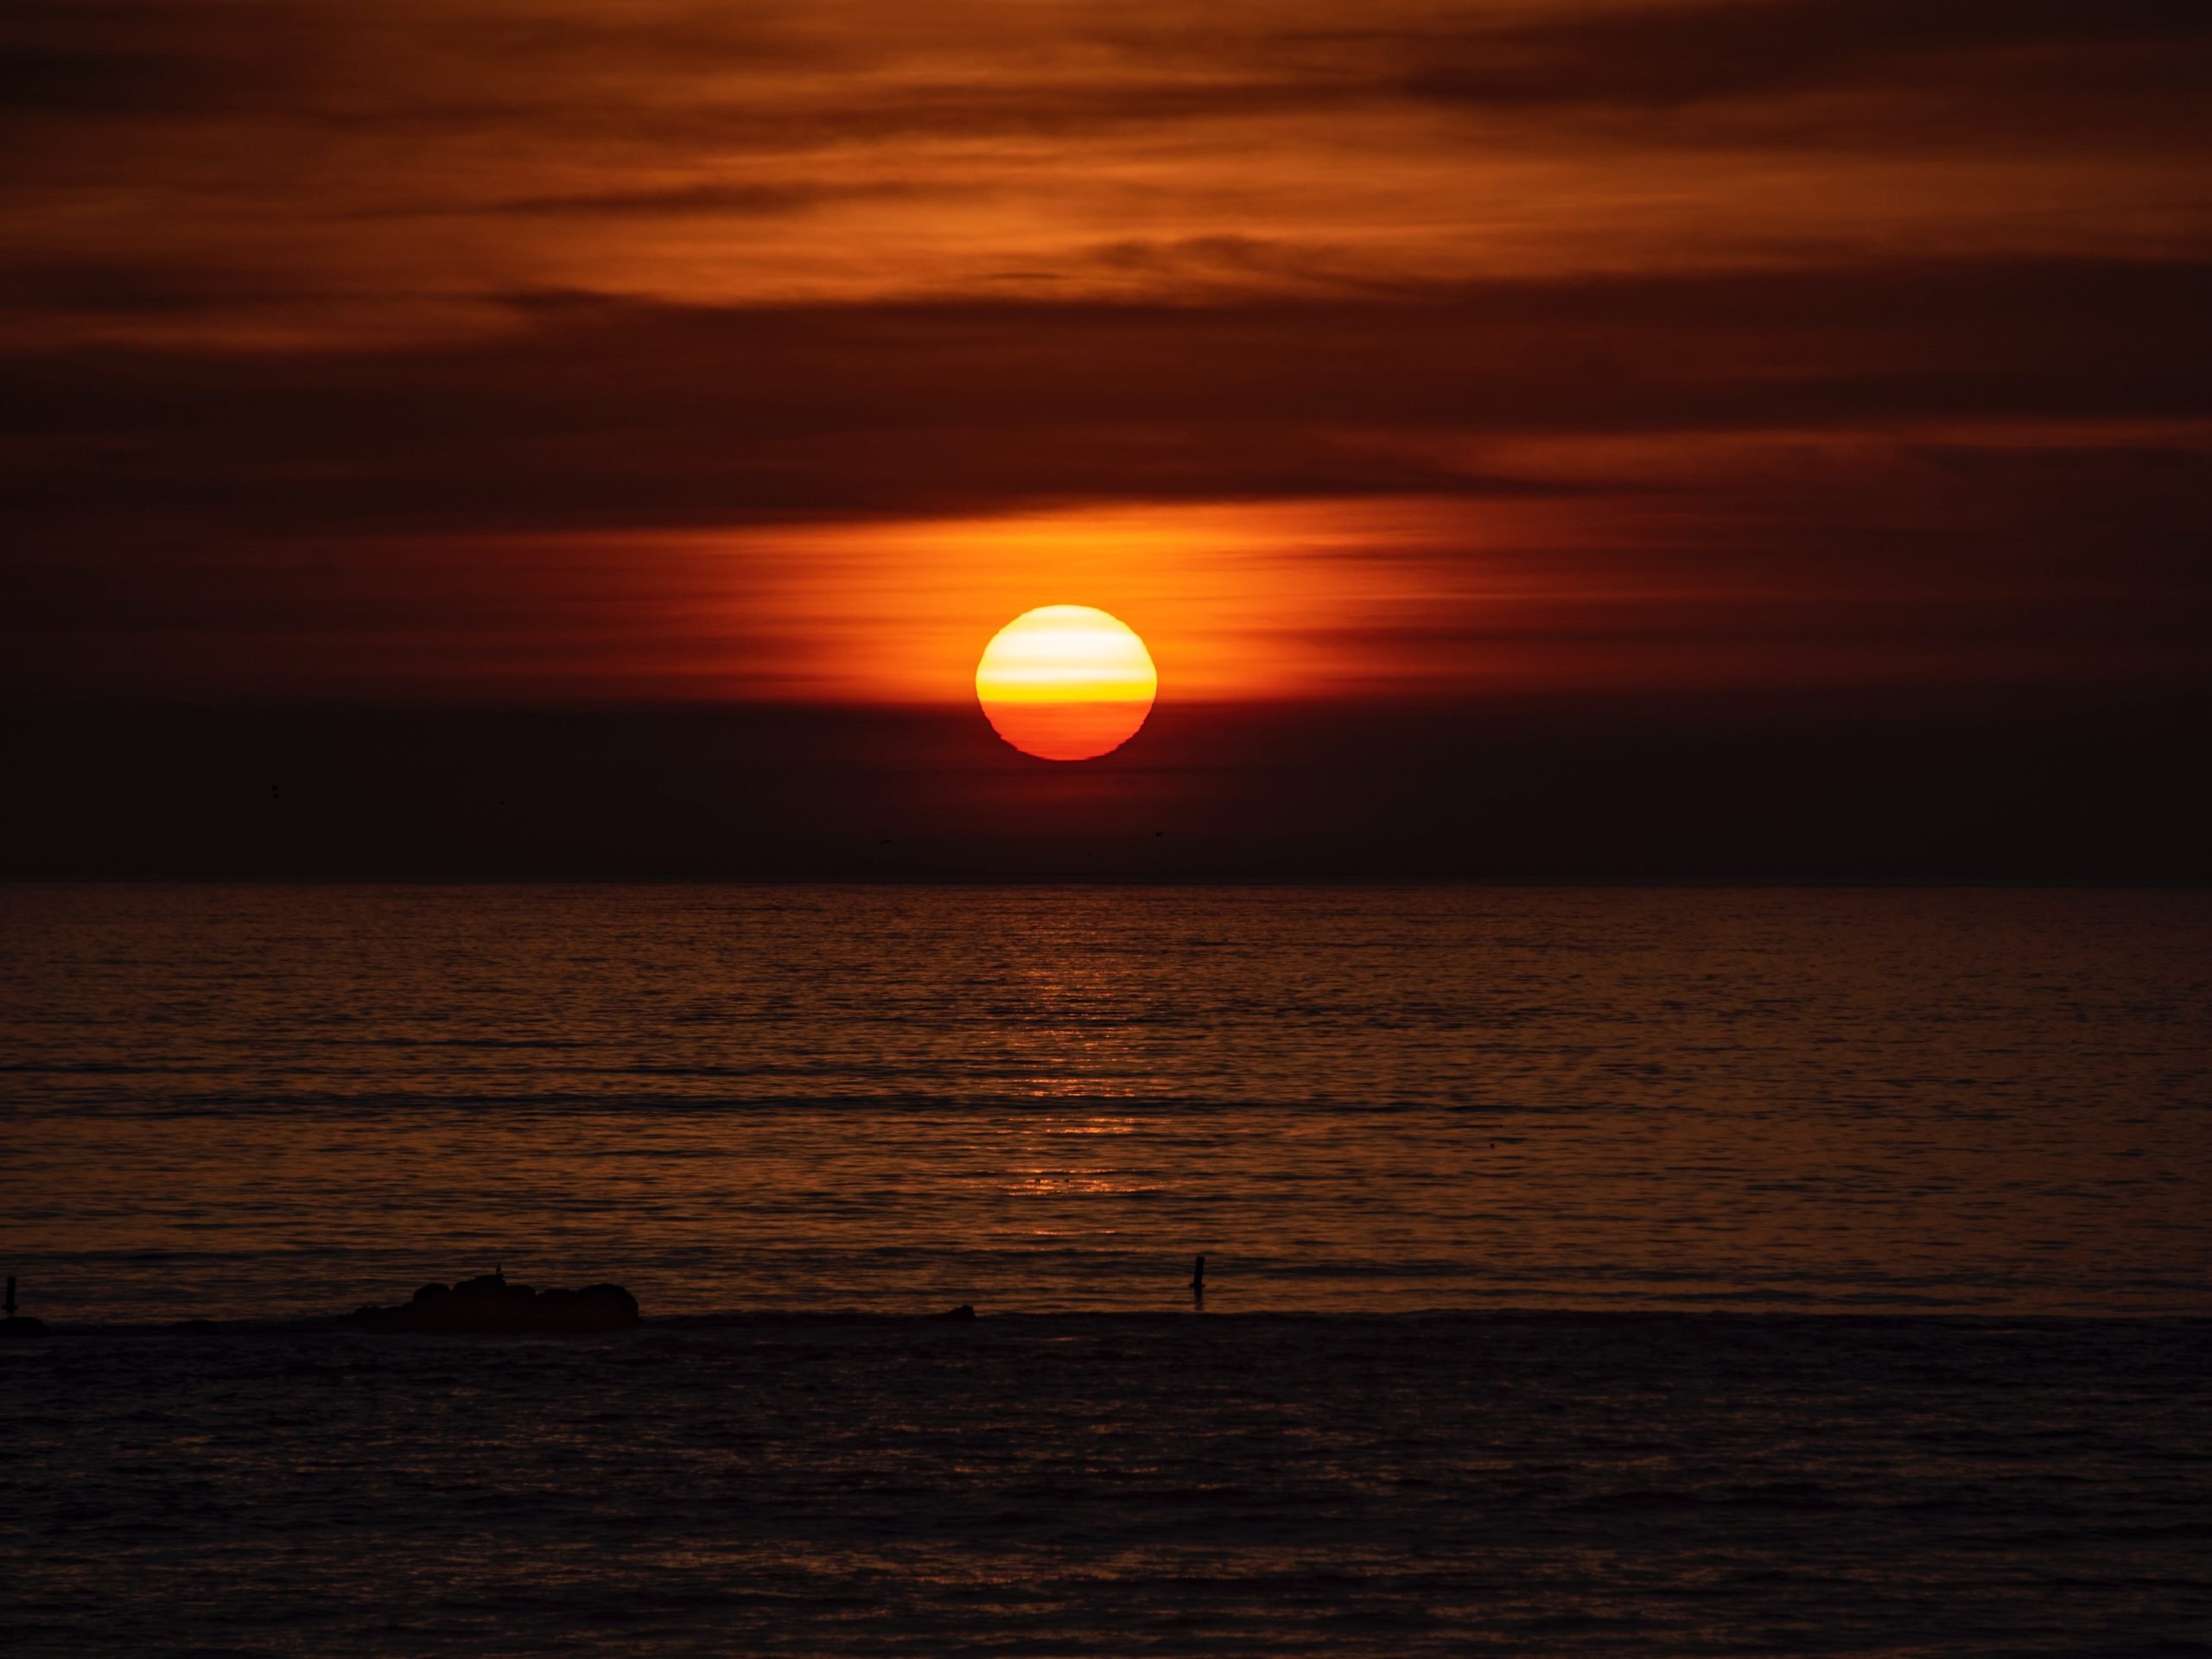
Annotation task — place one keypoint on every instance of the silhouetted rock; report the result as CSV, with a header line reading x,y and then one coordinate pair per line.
x,y
962,1314
492,1304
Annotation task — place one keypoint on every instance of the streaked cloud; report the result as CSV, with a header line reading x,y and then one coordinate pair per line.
x,y
518,347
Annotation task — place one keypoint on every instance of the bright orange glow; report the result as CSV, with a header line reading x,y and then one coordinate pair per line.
x,y
1236,600
1066,683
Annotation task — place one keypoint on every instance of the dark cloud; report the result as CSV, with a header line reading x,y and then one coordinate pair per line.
x,y
740,201
167,508
1951,417
603,412
694,74
32,288
1668,55
48,79
121,58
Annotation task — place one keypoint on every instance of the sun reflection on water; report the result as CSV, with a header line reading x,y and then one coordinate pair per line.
x,y
1048,1098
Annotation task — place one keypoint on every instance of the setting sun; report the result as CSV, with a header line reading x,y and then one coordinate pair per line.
x,y
1066,683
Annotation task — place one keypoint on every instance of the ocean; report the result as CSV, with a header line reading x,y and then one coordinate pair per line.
x,y
1687,1270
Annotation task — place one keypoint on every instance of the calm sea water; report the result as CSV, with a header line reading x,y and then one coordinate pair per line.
x,y
1556,1484
1680,1273
243,1102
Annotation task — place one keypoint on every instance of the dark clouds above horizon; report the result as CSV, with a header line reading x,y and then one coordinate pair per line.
x,y
502,351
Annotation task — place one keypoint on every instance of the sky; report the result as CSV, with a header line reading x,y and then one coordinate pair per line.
x,y
1558,376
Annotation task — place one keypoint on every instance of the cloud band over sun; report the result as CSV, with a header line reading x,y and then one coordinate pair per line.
x,y
556,350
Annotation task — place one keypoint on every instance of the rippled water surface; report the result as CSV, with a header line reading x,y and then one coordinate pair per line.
x,y
1111,1484
255,1102
1674,1272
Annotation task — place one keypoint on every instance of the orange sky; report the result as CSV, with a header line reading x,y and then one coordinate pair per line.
x,y
560,350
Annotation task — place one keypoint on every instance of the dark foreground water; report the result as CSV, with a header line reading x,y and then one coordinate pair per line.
x,y
1546,1483
1683,1272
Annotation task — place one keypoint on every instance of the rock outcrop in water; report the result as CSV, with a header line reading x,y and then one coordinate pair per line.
x,y
490,1304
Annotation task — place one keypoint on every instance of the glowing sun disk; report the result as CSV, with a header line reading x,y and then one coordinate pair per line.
x,y
1066,683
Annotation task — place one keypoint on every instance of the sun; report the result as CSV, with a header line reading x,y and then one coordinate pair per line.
x,y
1066,683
